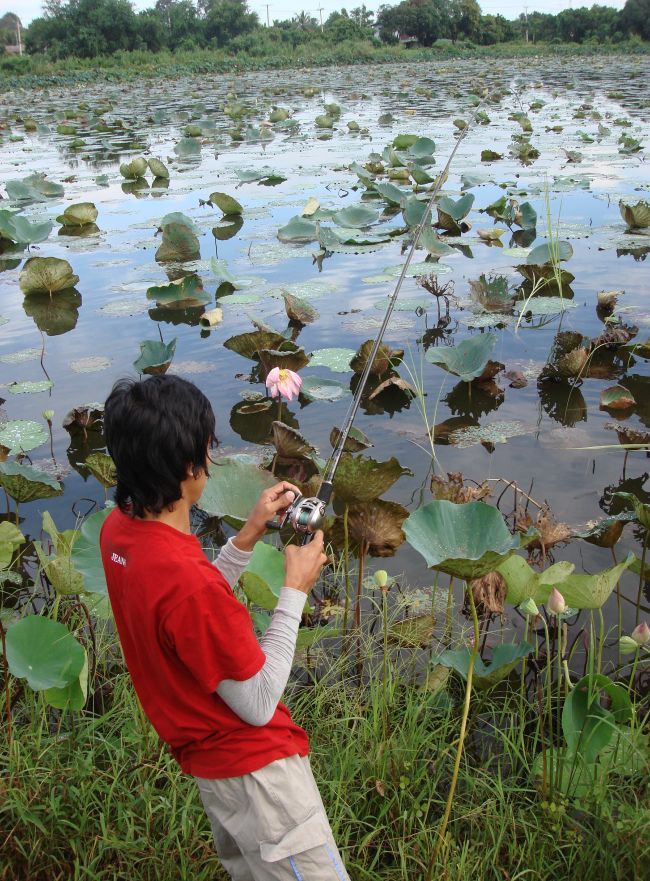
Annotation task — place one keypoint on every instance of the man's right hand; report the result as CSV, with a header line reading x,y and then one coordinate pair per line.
x,y
303,564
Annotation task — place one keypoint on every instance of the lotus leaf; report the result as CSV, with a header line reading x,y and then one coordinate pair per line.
x,y
81,214
362,479
587,726
641,510
86,556
177,217
179,244
26,484
403,142
249,344
456,209
547,276
211,317
355,441
22,435
263,175
155,356
324,121
468,359
60,571
227,228
466,541
11,539
385,359
72,696
394,384
413,211
413,632
493,433
636,216
21,231
134,169
490,156
492,294
290,444
298,230
336,359
605,533
298,310
579,591
375,526
158,169
46,275
29,388
315,388
226,203
54,315
355,216
187,148
390,193
549,252
288,357
34,187
435,247
102,467
616,398
183,293
349,241
233,488
505,658
43,652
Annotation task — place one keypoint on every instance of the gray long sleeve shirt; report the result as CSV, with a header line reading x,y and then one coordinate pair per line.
x,y
254,700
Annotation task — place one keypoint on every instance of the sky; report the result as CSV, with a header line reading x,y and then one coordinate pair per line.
x,y
29,9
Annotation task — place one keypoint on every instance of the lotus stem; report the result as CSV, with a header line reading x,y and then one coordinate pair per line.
x,y
558,723
362,561
7,686
346,563
522,686
384,685
461,736
549,690
641,577
633,673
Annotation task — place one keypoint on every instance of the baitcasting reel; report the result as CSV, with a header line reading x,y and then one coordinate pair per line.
x,y
304,515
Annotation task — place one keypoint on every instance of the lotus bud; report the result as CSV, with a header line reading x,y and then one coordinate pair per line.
x,y
555,603
627,645
529,607
48,416
381,578
641,633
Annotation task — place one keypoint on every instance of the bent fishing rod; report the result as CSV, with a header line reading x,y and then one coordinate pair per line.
x,y
306,515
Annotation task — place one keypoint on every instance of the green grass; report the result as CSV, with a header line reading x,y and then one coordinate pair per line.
x,y
97,796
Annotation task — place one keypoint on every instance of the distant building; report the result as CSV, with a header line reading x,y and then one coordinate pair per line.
x,y
408,41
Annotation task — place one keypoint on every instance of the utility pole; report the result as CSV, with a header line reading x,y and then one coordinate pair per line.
x,y
19,36
320,9
526,20
268,23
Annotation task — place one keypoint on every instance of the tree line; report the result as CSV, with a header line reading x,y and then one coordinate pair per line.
x,y
91,28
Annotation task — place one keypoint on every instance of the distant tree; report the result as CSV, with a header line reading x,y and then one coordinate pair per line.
x,y
364,17
152,34
428,20
180,19
495,29
340,26
226,19
464,19
635,18
9,25
304,22
85,28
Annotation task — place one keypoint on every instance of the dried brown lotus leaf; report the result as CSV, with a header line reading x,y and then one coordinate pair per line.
x,y
376,525
453,489
361,479
286,359
290,444
249,344
393,383
551,532
102,468
384,359
489,593
573,363
355,442
299,311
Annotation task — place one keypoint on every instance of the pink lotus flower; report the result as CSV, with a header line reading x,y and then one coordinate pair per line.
x,y
641,634
555,603
282,381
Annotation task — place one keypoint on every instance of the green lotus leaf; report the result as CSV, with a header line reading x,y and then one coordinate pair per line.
x,y
456,209
355,442
179,244
636,216
78,215
336,359
468,359
54,315
413,211
579,591
315,388
11,539
385,359
43,652
366,178
324,121
22,435
278,114
184,293
158,168
546,276
226,203
606,532
587,726
233,488
155,356
46,275
61,572
419,175
362,479
422,148
390,193
309,636
298,310
526,216
466,541
86,555
263,175
102,467
640,509
435,246
21,231
249,344
290,443
356,216
505,658
72,696
177,217
29,388
350,241
497,432
288,357
403,142
490,156
375,526
26,484
298,229
549,252
35,187
134,169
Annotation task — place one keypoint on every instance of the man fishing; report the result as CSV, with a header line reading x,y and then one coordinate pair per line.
x,y
209,688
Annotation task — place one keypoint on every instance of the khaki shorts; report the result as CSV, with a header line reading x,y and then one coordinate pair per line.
x,y
271,825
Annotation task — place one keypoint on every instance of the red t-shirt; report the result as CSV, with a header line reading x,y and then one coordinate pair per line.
x,y
182,631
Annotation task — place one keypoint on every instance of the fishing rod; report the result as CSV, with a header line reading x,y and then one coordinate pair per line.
x,y
306,515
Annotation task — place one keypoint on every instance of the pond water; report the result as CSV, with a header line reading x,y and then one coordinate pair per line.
x,y
572,105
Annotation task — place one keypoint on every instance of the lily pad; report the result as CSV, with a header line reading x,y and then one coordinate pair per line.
x,y
315,388
616,398
549,252
183,293
158,168
11,539
19,230
102,468
385,359
25,484
80,214
636,216
336,359
46,275
249,344
468,359
356,216
355,442
491,433
263,577
298,230
234,487
226,203
86,556
362,479
155,356
466,541
134,169
179,244
29,388
22,435
289,443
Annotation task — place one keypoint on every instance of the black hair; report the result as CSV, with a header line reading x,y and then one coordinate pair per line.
x,y
155,429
